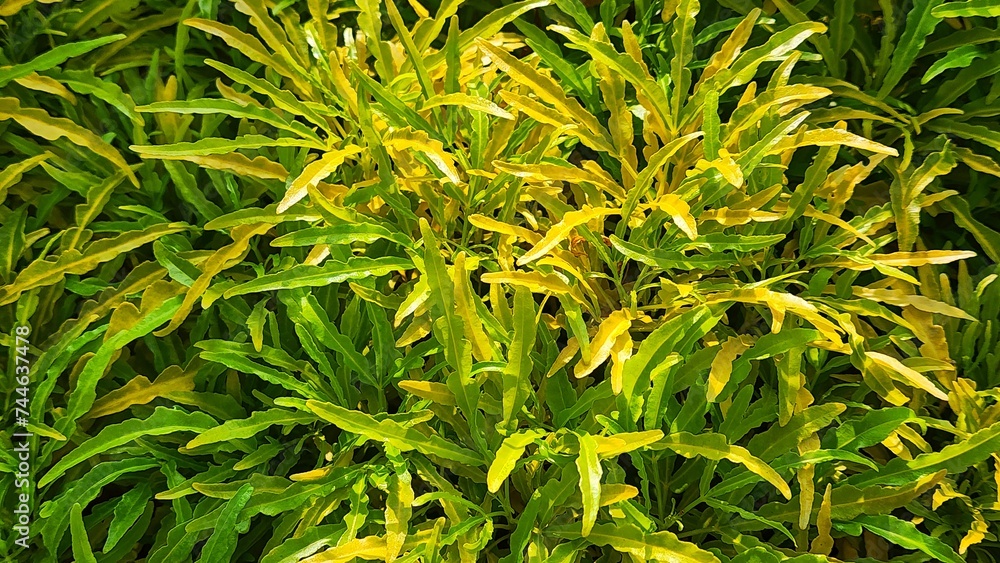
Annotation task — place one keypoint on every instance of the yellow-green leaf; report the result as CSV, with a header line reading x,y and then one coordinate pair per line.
x,y
589,466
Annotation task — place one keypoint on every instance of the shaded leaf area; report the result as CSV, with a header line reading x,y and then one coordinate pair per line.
x,y
547,280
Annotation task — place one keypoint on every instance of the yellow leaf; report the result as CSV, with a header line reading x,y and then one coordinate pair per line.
x,y
977,162
565,355
734,217
823,543
716,447
226,257
51,128
535,281
781,100
611,494
414,301
625,442
237,163
679,211
272,34
139,390
13,173
612,85
416,330
367,548
562,229
550,92
437,392
977,532
919,258
471,102
727,54
45,272
10,7
778,303
907,374
603,342
620,353
249,46
722,365
805,476
544,172
313,174
466,310
491,224
894,444
542,113
914,437
811,211
830,137
920,302
557,261
35,81
729,169
407,139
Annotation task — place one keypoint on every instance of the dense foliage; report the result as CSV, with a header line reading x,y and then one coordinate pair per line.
x,y
544,281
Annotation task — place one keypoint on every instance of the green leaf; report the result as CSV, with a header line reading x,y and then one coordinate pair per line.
x,y
779,439
683,43
920,22
40,123
488,26
55,513
747,515
245,428
163,421
967,9
282,99
82,553
517,372
392,433
447,327
330,336
341,234
231,356
222,544
82,398
906,535
298,548
958,58
314,173
208,106
606,54
333,271
127,511
54,56
954,459
86,83
715,447
872,428
971,131
671,260
718,242
848,502
215,145
253,215
987,238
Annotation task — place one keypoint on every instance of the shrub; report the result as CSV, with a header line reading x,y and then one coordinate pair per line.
x,y
416,287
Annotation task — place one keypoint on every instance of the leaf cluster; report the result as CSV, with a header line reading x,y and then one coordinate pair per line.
x,y
543,281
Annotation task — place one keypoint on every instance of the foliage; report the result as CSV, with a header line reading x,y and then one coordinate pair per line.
x,y
327,281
